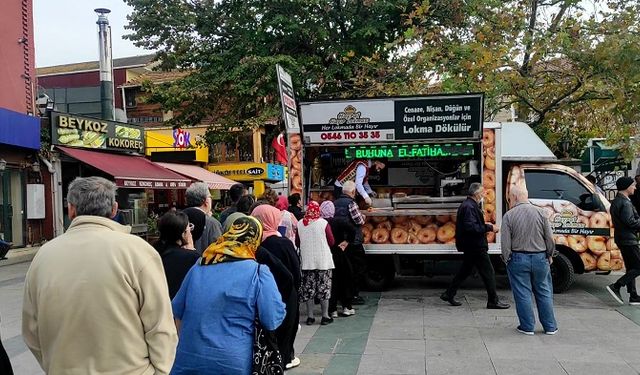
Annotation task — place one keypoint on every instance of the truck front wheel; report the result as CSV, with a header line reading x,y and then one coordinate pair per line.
x,y
562,273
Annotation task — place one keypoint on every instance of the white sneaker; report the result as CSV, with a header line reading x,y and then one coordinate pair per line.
x,y
348,312
551,332
528,333
295,362
334,314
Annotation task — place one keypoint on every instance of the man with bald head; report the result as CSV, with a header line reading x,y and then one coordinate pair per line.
x,y
527,248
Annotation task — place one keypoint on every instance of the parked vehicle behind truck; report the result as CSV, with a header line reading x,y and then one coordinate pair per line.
x,y
434,147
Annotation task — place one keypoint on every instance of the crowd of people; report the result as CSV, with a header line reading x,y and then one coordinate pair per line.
x,y
193,301
201,299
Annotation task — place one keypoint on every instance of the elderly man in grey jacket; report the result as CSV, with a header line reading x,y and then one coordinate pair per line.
x,y
199,197
527,247
627,223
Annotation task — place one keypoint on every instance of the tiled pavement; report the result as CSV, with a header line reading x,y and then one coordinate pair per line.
x,y
408,330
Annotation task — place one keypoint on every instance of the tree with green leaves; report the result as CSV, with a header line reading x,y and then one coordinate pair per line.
x,y
332,49
567,67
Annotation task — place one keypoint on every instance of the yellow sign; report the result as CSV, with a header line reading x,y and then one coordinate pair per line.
x,y
241,171
162,142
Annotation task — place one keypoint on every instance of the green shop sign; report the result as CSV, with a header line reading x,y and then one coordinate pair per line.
x,y
87,132
400,152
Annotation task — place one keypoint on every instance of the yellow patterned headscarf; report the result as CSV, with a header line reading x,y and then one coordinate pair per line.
x,y
241,241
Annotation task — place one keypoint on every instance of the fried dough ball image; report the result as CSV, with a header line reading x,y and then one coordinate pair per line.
x,y
604,262
427,235
578,243
599,220
488,138
380,235
399,236
446,232
589,261
366,233
597,245
616,264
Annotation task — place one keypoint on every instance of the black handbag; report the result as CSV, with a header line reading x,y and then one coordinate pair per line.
x,y
266,356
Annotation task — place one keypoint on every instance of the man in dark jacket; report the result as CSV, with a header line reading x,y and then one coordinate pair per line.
x,y
471,239
347,209
627,223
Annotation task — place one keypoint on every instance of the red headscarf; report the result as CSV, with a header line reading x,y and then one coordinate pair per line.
x,y
312,214
282,203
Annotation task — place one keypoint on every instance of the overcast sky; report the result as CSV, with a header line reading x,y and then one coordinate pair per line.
x,y
66,30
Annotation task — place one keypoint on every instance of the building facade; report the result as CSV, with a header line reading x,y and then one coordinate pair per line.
x,y
22,196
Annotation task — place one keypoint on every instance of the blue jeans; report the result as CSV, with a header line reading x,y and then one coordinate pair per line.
x,y
530,274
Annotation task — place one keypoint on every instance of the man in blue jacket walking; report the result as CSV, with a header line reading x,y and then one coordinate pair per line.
x,y
471,239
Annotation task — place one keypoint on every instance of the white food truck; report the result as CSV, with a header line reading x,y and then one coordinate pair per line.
x,y
434,147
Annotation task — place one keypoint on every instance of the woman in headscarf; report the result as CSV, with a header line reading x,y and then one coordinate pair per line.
x,y
316,238
282,249
284,279
218,302
288,223
341,277
176,248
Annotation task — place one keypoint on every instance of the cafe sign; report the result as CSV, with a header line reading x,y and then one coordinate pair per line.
x,y
88,132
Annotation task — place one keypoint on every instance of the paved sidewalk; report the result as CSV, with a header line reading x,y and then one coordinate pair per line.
x,y
408,330
414,332
19,255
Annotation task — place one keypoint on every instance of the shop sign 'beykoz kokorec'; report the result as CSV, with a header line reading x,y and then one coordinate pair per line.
x,y
87,132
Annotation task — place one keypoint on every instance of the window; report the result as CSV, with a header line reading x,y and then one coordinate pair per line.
x,y
130,98
558,185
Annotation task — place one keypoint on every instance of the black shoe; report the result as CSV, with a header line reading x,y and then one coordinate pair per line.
x,y
452,301
324,321
634,300
310,321
497,305
614,290
357,300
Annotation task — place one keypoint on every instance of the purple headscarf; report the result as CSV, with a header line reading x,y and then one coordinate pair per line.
x,y
327,210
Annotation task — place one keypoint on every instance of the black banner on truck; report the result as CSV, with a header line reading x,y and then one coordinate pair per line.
x,y
389,119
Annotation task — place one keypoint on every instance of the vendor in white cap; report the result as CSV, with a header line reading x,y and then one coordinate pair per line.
x,y
358,172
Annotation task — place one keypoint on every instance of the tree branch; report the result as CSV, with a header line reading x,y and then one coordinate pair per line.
x,y
525,67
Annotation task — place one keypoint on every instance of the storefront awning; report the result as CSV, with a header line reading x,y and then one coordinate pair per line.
x,y
200,174
130,171
17,129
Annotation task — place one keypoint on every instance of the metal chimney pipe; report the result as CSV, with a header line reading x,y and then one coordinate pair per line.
x,y
106,64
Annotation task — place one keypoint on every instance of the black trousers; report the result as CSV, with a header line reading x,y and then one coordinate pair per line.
x,y
286,333
342,280
480,260
5,364
631,257
358,261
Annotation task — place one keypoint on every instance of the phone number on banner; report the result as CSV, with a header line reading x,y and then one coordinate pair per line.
x,y
351,136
